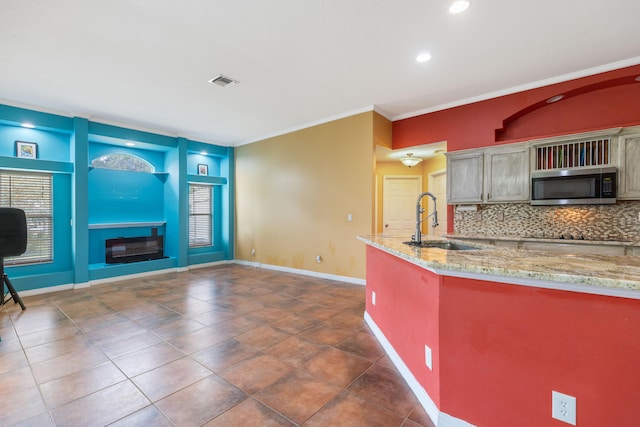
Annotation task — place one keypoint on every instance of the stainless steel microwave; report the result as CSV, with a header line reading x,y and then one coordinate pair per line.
x,y
595,186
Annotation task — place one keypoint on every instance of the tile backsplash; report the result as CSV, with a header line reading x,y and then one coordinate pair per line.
x,y
593,222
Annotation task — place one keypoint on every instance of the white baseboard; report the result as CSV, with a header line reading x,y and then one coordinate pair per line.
x,y
440,419
204,265
346,279
39,291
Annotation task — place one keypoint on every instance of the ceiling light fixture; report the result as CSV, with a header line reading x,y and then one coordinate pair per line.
x,y
409,160
459,6
554,99
423,57
27,125
223,81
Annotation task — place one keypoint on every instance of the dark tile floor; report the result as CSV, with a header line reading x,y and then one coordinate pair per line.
x,y
222,346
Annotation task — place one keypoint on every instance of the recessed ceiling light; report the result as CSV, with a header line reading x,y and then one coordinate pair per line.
x,y
554,99
27,125
130,144
459,6
423,57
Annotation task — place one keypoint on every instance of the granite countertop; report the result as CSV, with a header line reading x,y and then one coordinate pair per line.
x,y
597,271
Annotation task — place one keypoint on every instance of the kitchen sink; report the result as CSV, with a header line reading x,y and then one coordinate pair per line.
x,y
449,246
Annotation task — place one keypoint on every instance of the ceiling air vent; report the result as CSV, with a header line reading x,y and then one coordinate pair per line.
x,y
223,81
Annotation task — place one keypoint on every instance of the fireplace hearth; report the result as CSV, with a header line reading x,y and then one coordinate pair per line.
x,y
134,249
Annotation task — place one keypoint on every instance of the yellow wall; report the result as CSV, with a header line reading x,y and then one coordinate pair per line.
x,y
294,192
433,164
382,129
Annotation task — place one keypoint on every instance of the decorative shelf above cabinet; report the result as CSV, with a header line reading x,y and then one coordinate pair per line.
x,y
583,153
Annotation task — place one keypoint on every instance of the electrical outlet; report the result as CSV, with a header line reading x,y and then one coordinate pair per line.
x,y
563,407
428,359
373,298
318,259
253,253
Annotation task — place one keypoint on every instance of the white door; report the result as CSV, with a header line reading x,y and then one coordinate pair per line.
x,y
437,186
399,196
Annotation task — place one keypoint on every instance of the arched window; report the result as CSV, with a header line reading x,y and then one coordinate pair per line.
x,y
124,162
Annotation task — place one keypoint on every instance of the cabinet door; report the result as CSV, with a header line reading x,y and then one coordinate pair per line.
x,y
629,171
507,175
464,177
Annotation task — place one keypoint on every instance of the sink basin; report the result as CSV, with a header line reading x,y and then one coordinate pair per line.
x,y
449,246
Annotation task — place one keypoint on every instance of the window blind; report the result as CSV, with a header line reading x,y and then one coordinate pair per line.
x,y
32,193
200,216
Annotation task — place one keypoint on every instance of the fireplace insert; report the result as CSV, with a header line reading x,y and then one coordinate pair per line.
x,y
134,249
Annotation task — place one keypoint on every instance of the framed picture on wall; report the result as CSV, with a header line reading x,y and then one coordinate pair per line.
x,y
203,169
26,150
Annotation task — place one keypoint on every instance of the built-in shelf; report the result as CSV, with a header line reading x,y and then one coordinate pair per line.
x,y
104,225
203,179
162,176
35,164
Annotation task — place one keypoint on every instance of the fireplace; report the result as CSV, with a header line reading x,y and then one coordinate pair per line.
x,y
134,249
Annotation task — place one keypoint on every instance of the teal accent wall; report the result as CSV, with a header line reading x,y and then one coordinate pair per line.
x,y
123,196
79,199
92,205
177,197
218,159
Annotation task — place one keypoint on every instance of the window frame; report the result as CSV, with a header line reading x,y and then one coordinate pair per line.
x,y
204,218
123,161
38,186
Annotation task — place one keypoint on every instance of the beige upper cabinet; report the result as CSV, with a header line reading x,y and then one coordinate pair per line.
x,y
493,175
629,167
507,176
465,176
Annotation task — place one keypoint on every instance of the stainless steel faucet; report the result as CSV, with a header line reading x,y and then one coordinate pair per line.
x,y
417,237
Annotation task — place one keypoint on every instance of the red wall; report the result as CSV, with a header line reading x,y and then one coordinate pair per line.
x,y
600,101
504,349
499,350
406,310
